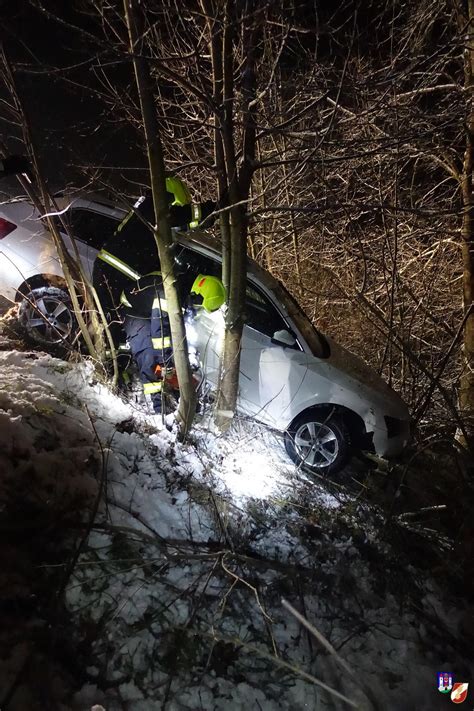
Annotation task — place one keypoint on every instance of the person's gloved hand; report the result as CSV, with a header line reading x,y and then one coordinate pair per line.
x,y
168,375
14,165
171,379
189,309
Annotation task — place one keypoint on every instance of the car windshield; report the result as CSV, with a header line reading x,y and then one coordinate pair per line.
x,y
315,340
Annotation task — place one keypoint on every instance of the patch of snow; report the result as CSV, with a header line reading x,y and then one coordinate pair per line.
x,y
179,611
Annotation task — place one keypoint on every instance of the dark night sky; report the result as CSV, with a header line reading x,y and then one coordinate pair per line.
x,y
71,126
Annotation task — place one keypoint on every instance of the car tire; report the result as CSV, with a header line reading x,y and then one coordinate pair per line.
x,y
318,442
47,317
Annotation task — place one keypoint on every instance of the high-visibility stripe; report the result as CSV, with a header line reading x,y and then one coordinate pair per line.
x,y
197,214
161,304
121,348
118,264
124,300
130,214
164,342
152,388
125,220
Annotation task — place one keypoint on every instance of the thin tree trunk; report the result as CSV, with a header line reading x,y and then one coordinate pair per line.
x,y
294,233
163,236
466,390
219,44
239,188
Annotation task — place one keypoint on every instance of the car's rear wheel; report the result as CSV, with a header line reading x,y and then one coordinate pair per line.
x,y
318,442
47,316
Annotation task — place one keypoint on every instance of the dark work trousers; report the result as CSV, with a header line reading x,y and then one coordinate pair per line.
x,y
150,344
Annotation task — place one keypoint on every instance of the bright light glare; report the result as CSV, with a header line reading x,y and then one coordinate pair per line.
x,y
250,474
191,334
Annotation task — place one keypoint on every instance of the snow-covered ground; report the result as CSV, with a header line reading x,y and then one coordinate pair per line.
x,y
174,600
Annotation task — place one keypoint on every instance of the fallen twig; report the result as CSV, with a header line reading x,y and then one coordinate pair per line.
x,y
329,647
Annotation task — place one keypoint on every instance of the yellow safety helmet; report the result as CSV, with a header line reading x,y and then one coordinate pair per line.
x,y
212,291
181,193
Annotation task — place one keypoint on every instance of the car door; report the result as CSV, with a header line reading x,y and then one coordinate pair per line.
x,y
205,331
271,371
206,334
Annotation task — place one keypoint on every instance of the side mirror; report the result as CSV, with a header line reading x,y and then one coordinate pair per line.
x,y
284,338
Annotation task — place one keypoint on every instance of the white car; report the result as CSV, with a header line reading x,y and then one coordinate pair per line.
x,y
325,400
30,266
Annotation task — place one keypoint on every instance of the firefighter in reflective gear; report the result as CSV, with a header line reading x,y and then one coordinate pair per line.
x,y
128,281
150,337
147,328
131,252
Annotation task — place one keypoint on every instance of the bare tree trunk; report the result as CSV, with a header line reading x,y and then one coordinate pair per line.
x,y
294,233
163,237
238,190
230,362
466,389
220,43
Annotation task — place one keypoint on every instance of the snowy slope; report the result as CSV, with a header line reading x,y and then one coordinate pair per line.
x,y
177,589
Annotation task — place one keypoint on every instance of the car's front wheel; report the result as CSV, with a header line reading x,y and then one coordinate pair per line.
x,y
318,442
47,316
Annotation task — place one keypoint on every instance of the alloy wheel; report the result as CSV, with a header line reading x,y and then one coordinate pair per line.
x,y
48,319
316,444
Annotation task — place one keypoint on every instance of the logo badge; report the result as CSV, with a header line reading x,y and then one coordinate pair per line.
x,y
445,682
459,692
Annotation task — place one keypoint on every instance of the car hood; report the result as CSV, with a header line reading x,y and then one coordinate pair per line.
x,y
356,375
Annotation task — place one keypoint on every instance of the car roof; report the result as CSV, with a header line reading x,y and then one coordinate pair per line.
x,y
205,240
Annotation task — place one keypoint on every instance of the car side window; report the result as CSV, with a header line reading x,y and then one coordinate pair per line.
x,y
91,227
195,263
261,314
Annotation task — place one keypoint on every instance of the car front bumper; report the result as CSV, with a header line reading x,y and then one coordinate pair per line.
x,y
390,439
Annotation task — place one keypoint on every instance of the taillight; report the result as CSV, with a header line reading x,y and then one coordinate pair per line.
x,y
6,227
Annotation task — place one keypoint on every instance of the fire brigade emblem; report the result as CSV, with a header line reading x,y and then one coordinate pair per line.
x,y
445,682
459,692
